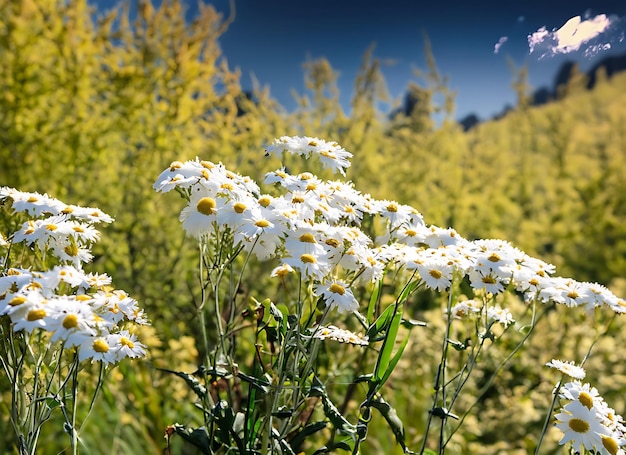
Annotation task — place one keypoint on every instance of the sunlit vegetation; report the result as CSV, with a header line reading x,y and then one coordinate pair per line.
x,y
94,105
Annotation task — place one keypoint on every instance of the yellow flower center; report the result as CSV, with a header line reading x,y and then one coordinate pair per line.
x,y
579,425
70,321
328,154
32,199
52,227
206,206
126,342
297,199
337,289
307,238
282,271
18,300
308,259
392,208
175,165
586,400
410,232
71,250
610,444
572,294
34,315
313,144
489,280
207,164
227,186
494,257
264,201
100,346
239,207
83,297
436,274
262,223
332,242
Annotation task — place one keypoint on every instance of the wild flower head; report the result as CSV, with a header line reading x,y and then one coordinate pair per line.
x,y
586,421
314,227
79,309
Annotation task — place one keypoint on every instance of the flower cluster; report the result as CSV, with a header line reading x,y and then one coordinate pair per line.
x,y
588,422
64,230
567,368
341,335
79,309
331,154
315,228
475,308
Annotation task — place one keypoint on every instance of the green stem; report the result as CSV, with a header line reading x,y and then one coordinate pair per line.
x,y
535,319
546,423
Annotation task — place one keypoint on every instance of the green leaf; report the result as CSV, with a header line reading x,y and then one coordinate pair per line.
x,y
225,418
410,323
391,417
193,383
381,323
407,291
374,299
307,431
52,403
394,361
195,436
281,310
384,356
330,410
257,383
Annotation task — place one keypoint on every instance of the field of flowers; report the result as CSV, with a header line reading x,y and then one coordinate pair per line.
x,y
185,268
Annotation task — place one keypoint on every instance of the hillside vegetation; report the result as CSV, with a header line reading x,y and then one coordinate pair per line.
x,y
91,111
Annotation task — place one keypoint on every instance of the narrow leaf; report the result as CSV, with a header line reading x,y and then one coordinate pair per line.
x,y
388,344
381,323
307,431
374,299
198,437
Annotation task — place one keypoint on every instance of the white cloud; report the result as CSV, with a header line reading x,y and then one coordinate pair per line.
x,y
575,34
500,43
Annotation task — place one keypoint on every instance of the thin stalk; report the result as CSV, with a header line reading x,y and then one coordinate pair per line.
x,y
440,376
535,318
74,435
546,423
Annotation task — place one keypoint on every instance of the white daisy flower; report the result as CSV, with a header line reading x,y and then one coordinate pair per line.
x,y
338,295
567,368
581,426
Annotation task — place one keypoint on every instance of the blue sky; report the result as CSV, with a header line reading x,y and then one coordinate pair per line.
x,y
272,38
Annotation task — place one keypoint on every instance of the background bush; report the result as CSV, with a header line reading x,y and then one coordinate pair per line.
x,y
91,110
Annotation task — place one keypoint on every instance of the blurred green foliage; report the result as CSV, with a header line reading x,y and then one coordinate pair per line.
x,y
91,111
